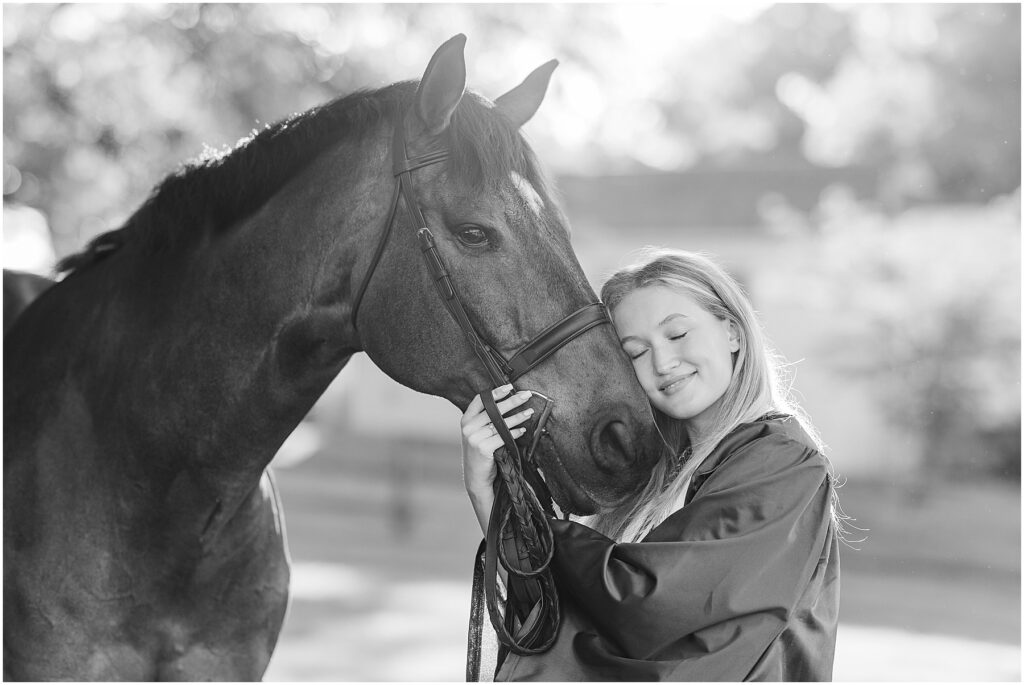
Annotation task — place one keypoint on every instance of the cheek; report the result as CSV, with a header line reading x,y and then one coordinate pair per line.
x,y
724,366
644,375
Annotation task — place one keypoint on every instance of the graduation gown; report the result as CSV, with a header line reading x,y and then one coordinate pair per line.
x,y
742,583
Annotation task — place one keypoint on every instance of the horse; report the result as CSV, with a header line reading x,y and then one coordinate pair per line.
x,y
146,392
20,289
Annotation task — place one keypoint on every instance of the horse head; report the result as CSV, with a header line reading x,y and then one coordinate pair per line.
x,y
505,244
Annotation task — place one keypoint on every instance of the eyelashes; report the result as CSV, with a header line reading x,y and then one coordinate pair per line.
x,y
636,355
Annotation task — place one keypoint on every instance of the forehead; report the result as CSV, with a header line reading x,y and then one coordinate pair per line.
x,y
527,194
647,309
510,199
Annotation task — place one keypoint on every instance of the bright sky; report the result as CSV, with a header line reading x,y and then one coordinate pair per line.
x,y
657,25
618,107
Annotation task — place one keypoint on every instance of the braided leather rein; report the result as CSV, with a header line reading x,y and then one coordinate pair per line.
x,y
519,539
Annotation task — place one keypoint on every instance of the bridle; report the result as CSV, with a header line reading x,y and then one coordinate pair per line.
x,y
499,369
518,535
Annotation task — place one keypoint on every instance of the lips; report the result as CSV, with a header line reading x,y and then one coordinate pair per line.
x,y
675,384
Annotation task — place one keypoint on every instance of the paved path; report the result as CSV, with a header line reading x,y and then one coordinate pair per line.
x,y
347,625
382,536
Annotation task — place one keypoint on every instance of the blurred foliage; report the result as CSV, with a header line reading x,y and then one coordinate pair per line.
x,y
928,93
102,100
930,313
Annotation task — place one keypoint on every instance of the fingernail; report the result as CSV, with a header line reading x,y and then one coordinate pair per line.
x,y
529,411
523,394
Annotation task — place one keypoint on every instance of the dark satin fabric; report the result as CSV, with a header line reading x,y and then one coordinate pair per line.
x,y
742,583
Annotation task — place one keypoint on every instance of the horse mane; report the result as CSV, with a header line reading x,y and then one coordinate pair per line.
x,y
219,189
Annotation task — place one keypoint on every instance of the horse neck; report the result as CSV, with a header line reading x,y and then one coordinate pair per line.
x,y
217,350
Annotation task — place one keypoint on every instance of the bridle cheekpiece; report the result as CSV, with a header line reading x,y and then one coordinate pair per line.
x,y
518,535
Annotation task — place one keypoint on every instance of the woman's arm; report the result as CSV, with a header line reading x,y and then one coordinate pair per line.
x,y
482,499
747,544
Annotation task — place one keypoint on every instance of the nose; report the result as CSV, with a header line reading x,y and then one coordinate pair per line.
x,y
664,361
612,445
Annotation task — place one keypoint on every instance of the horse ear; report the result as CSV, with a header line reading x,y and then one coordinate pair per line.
x,y
442,85
521,103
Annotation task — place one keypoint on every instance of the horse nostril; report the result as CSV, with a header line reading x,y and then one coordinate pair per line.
x,y
614,448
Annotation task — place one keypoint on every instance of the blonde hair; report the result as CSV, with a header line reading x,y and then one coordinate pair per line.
x,y
755,389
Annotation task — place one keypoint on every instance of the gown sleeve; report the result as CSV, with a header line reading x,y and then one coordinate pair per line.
x,y
714,585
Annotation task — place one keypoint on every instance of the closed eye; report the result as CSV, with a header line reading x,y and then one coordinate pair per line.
x,y
678,337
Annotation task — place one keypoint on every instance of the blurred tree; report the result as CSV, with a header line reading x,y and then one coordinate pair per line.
x,y
102,100
974,145
931,314
929,93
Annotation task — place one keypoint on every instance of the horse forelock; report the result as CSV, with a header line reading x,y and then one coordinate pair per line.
x,y
486,149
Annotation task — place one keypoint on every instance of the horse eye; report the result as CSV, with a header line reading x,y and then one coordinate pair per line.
x,y
472,236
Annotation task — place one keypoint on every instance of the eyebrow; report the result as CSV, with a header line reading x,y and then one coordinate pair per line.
x,y
664,321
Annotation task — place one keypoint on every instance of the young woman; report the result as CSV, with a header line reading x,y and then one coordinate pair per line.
x,y
725,567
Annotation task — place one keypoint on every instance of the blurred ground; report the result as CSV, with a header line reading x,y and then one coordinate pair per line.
x,y
382,538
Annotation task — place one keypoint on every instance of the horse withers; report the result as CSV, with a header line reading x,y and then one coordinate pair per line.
x,y
146,393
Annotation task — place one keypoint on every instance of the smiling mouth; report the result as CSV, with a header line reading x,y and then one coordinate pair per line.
x,y
675,384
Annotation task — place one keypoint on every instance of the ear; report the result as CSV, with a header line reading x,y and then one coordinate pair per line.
x,y
521,103
734,336
442,85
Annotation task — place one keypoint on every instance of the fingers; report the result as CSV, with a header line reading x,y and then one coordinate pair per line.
x,y
491,444
479,433
501,391
487,429
483,420
486,440
471,422
514,401
476,405
519,418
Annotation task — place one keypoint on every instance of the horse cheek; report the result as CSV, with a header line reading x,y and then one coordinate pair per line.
x,y
313,348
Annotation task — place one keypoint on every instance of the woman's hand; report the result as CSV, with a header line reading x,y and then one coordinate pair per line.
x,y
480,440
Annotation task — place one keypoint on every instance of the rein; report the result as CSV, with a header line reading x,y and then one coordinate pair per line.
x,y
519,537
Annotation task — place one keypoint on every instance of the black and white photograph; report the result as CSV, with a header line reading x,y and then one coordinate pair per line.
x,y
454,342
